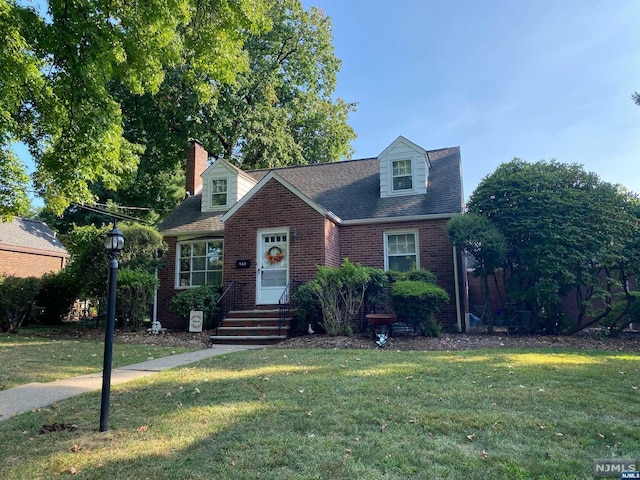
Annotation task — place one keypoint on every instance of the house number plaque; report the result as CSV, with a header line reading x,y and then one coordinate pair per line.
x,y
243,263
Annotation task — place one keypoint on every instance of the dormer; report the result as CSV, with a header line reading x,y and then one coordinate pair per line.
x,y
404,169
222,186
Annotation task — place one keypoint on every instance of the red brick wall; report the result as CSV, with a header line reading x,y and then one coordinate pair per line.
x,y
365,244
196,164
28,264
166,290
306,239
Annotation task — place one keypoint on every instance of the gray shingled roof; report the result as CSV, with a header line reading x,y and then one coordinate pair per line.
x,y
31,234
349,189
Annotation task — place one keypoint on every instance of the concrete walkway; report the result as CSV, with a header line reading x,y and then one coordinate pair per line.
x,y
38,395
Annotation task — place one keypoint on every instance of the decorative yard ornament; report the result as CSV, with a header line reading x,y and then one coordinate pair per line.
x,y
156,327
310,330
382,340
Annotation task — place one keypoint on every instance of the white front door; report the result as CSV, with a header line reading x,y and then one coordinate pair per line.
x,y
273,265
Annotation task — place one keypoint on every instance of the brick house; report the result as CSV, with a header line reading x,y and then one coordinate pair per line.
x,y
264,228
29,248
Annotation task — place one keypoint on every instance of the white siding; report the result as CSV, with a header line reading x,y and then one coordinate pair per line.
x,y
403,149
237,185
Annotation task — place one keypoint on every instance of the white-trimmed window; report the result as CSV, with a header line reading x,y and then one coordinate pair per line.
x,y
402,175
200,263
401,251
219,192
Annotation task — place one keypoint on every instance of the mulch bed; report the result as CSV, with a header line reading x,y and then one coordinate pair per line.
x,y
628,342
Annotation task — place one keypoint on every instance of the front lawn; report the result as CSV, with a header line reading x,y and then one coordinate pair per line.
x,y
346,414
28,358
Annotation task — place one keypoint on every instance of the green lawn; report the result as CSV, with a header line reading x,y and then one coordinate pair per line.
x,y
26,359
346,414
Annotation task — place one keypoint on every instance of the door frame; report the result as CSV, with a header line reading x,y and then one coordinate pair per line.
x,y
261,296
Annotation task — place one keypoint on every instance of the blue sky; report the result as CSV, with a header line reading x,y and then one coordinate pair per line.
x,y
534,79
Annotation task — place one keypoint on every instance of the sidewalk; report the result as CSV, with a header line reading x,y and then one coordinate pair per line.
x,y
37,395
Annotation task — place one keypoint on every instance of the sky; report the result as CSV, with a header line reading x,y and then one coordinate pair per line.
x,y
532,79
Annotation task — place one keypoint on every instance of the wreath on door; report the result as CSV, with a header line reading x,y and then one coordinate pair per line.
x,y
274,255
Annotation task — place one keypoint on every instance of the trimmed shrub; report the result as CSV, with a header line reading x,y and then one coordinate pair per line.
x,y
202,298
415,302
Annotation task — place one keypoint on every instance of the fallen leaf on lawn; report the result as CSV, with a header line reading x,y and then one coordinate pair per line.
x,y
309,413
75,449
142,428
383,427
73,470
470,437
559,434
485,454
600,435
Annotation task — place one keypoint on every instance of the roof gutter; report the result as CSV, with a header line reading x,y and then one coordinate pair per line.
x,y
412,218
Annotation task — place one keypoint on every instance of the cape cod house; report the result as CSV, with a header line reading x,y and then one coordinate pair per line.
x,y
266,228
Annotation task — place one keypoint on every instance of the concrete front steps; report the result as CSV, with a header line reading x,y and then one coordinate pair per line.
x,y
251,327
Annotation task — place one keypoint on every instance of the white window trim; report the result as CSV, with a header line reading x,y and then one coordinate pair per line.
x,y
179,245
226,204
393,177
400,232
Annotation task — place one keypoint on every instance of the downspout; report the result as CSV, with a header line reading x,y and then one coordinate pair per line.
x,y
155,291
457,287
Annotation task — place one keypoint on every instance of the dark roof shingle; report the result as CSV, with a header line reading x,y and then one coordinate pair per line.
x,y
349,189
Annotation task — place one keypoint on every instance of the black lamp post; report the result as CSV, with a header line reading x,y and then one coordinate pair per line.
x,y
113,243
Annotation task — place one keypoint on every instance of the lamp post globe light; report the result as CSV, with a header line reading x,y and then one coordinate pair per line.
x,y
114,244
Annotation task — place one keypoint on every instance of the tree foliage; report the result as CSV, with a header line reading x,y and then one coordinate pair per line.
x,y
89,261
565,230
59,70
278,112
485,243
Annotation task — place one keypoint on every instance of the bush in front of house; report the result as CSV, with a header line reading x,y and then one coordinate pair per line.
x,y
57,294
135,296
415,301
308,311
340,292
203,298
17,299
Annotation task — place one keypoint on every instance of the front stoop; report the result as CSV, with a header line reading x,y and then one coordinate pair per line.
x,y
251,327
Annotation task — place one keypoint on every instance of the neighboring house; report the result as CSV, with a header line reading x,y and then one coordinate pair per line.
x,y
29,248
264,228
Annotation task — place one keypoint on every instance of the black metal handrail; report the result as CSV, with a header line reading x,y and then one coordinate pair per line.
x,y
286,304
231,299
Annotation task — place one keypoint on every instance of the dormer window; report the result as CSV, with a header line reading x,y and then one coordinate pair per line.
x,y
219,189
404,169
402,175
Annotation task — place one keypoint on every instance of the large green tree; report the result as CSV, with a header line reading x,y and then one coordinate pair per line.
x,y
59,71
565,230
280,111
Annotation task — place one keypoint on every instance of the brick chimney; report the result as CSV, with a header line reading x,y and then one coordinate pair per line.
x,y
196,164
